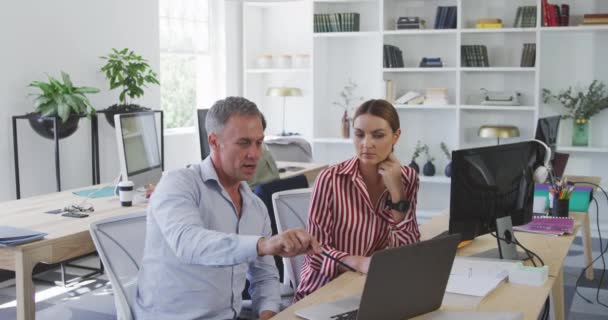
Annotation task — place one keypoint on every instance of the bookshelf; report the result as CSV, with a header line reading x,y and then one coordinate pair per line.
x,y
339,56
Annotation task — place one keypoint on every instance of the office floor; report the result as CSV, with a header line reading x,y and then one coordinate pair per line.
x,y
92,299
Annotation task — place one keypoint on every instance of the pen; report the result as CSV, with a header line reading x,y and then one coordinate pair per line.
x,y
338,261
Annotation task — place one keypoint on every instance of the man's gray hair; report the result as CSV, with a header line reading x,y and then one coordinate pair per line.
x,y
222,110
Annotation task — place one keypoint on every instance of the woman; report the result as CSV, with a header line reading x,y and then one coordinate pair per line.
x,y
364,204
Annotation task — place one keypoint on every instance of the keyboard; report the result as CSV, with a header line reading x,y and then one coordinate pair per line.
x,y
350,315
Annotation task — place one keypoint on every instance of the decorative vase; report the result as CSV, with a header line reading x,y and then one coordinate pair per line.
x,y
429,169
448,170
345,126
44,126
414,166
580,132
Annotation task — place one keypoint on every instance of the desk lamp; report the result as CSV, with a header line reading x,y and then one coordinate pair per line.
x,y
283,92
498,132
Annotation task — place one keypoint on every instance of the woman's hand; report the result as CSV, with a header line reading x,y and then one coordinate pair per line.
x,y
359,263
390,170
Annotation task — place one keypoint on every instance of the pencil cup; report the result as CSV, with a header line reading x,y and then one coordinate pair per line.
x,y
125,193
560,208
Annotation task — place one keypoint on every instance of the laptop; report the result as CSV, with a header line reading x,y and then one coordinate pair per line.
x,y
401,283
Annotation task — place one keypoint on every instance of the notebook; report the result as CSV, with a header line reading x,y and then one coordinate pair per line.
x,y
10,236
548,225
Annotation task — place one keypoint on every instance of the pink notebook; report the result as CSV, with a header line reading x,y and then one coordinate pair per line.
x,y
548,225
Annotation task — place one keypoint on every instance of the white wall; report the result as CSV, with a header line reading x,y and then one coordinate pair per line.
x,y
41,37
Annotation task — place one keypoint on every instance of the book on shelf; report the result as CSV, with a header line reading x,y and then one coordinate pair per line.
x,y
389,91
555,15
431,63
336,22
594,19
392,57
528,55
525,17
436,96
474,56
489,25
549,225
446,17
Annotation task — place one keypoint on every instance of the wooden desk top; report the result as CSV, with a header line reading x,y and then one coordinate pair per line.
x,y
309,169
507,297
29,213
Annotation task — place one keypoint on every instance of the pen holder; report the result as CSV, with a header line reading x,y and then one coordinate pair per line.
x,y
561,208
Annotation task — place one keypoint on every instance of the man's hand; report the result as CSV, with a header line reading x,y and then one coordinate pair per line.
x,y
290,243
264,315
390,170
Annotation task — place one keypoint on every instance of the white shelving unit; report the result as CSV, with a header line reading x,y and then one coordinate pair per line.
x,y
565,56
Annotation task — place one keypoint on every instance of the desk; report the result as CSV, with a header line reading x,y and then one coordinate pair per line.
x,y
508,297
310,170
67,238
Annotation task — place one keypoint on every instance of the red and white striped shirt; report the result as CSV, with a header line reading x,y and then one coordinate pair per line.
x,y
345,221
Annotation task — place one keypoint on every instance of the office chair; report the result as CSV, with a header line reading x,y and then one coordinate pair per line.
x,y
291,211
202,132
120,243
294,149
265,192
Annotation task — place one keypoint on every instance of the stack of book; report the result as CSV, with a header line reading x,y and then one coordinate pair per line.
x,y
525,17
393,57
336,22
446,17
431,63
595,19
436,96
555,226
409,23
528,55
553,16
474,56
488,23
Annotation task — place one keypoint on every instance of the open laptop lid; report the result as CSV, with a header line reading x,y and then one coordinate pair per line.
x,y
408,281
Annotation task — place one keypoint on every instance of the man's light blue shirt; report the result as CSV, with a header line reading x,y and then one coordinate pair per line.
x,y
198,251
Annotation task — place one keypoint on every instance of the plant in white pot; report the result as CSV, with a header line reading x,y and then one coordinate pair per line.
x,y
131,73
62,99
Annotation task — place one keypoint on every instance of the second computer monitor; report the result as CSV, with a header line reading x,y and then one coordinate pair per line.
x,y
138,150
490,183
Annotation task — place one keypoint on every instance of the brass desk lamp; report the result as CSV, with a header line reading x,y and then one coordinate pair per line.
x,y
498,132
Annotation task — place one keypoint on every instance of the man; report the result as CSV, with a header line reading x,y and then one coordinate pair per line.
x,y
206,230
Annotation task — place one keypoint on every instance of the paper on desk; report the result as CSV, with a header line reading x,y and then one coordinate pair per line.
x,y
477,276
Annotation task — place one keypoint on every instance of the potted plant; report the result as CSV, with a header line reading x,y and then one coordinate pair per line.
x,y
429,167
129,72
416,154
448,167
347,98
580,107
62,99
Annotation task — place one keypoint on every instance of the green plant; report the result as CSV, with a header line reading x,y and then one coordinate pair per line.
x,y
428,155
347,97
129,71
62,98
580,105
445,150
417,151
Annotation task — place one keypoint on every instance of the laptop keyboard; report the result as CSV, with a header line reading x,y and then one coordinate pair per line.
x,y
350,315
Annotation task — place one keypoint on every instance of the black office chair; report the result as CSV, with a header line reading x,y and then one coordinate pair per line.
x,y
265,192
202,133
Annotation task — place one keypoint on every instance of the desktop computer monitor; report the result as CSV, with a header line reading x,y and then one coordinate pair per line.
x,y
546,131
492,189
138,150
202,132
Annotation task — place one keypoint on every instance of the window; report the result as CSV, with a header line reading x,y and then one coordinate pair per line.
x,y
188,59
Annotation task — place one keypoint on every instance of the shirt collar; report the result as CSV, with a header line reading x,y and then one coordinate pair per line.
x,y
208,173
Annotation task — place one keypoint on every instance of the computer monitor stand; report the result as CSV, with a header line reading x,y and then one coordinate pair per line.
x,y
507,248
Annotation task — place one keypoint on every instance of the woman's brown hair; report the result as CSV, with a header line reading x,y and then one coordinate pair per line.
x,y
380,108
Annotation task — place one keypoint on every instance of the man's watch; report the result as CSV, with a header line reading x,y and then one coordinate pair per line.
x,y
401,206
